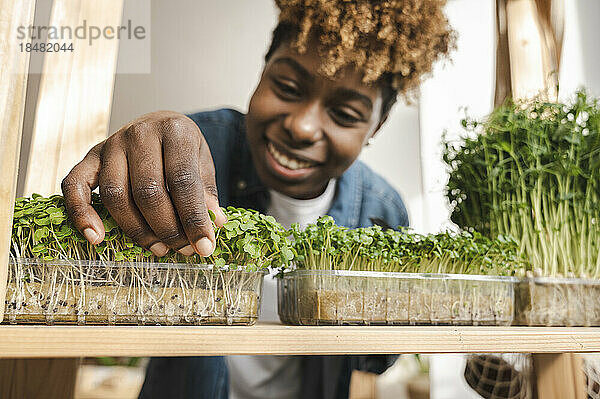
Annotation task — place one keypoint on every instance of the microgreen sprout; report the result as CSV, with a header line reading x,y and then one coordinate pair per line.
x,y
42,230
326,246
532,171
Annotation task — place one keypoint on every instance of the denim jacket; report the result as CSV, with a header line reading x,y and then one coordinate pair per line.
x,y
361,197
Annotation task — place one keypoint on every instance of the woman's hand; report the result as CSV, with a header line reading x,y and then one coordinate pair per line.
x,y
157,179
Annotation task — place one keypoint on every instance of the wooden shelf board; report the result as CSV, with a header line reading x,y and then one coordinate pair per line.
x,y
76,341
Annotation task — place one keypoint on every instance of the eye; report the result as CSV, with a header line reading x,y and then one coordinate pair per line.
x,y
286,89
345,117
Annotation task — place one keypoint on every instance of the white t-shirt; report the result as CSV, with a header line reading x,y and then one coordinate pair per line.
x,y
276,377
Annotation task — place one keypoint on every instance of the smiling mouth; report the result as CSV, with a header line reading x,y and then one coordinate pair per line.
x,y
287,161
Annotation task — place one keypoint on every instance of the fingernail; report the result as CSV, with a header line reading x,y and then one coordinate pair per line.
x,y
223,216
159,249
204,247
90,235
187,250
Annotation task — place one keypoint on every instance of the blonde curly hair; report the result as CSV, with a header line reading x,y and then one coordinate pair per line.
x,y
394,42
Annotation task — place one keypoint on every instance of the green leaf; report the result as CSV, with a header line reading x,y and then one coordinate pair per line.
x,y
247,226
275,237
109,224
505,146
55,211
287,254
251,249
44,221
231,225
40,233
38,248
57,219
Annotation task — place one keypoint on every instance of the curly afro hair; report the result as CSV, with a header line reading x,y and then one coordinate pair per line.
x,y
394,42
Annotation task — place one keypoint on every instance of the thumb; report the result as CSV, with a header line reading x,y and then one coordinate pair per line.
x,y
212,204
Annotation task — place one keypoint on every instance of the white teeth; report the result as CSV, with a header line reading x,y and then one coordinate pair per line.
x,y
286,161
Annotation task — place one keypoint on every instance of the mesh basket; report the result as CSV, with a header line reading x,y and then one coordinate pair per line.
x,y
505,376
510,376
591,367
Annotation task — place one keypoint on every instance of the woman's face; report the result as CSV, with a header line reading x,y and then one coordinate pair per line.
x,y
304,128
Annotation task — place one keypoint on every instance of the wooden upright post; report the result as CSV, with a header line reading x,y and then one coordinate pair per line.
x,y
14,65
559,376
75,95
529,34
527,64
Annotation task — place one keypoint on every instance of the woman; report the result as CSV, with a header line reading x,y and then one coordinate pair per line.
x,y
332,73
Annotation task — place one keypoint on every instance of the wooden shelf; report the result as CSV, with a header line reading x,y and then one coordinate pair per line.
x,y
76,341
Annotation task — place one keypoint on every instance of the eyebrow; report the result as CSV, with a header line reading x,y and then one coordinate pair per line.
x,y
347,94
295,65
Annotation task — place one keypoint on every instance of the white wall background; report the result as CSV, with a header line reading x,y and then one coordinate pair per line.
x,y
466,86
205,54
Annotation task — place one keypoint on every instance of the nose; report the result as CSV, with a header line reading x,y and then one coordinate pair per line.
x,y
304,123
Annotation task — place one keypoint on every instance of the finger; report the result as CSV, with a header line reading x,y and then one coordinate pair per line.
x,y
182,171
207,170
77,189
144,159
117,198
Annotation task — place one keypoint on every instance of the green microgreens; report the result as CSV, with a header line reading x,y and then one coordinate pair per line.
x,y
42,230
326,246
532,171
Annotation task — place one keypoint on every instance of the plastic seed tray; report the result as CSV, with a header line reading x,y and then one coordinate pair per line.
x,y
317,297
549,301
98,292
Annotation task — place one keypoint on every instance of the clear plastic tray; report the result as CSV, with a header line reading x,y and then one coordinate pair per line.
x,y
97,292
323,297
549,301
